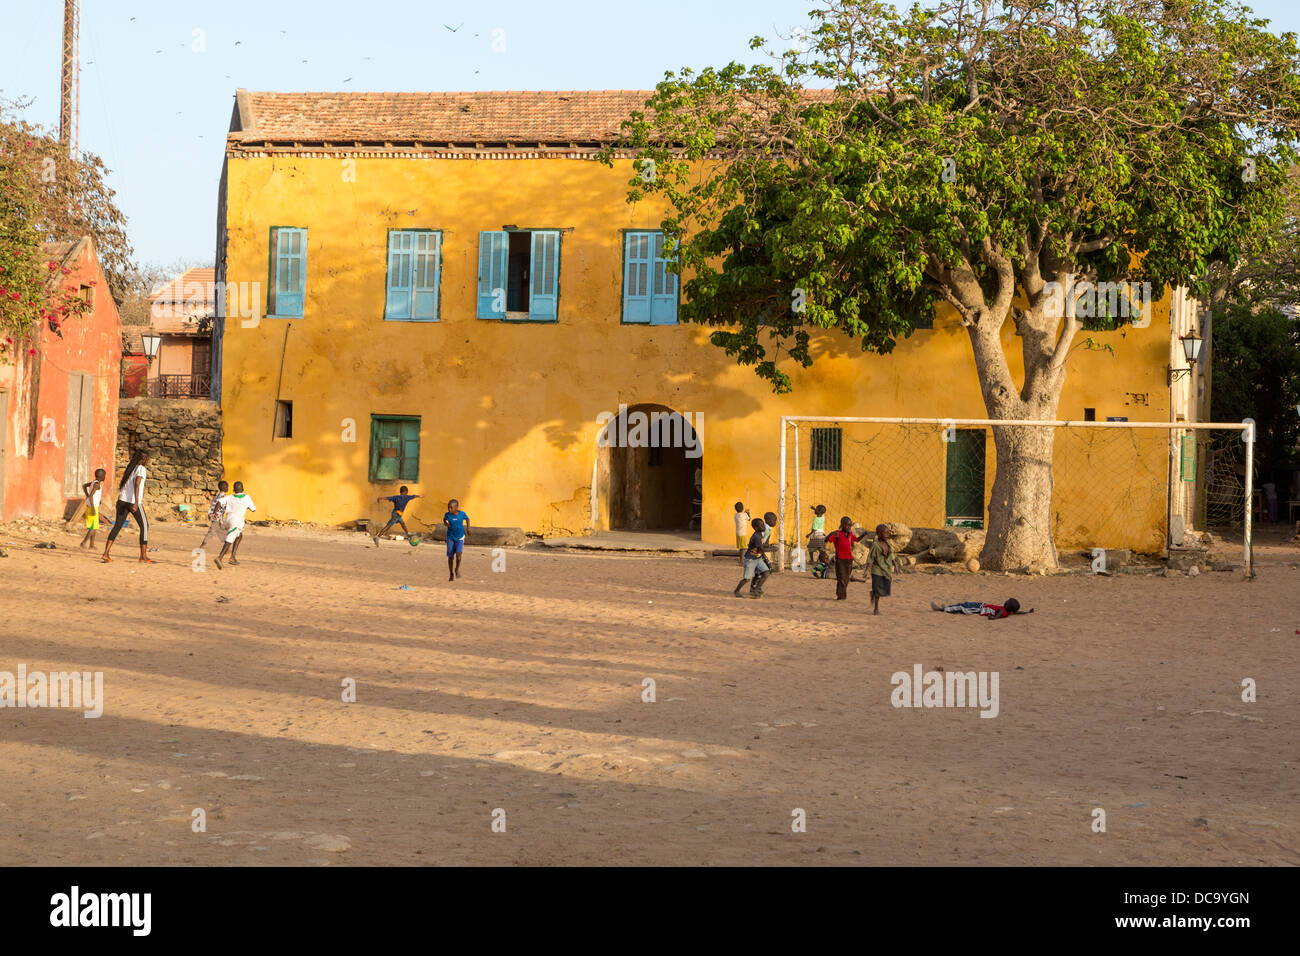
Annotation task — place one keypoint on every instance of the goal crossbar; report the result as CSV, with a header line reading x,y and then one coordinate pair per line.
x,y
1247,428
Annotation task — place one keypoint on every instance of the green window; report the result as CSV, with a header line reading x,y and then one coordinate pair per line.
x,y
1189,457
964,489
394,448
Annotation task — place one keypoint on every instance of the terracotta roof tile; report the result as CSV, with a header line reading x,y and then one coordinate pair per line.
x,y
523,117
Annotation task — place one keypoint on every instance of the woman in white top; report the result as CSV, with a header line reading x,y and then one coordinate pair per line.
x,y
130,501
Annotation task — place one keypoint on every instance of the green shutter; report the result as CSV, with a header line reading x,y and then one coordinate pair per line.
x,y
1189,457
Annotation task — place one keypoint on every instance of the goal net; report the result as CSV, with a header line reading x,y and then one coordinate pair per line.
x,y
1139,486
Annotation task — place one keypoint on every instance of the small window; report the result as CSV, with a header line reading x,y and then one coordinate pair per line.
x,y
825,449
1090,414
519,275
87,294
394,448
649,285
288,273
414,266
283,419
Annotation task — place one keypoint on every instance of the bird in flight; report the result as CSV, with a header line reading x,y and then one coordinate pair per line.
x,y
455,28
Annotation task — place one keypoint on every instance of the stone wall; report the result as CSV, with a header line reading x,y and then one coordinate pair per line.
x,y
183,438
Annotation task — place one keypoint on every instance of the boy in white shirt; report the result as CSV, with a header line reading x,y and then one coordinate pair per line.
x,y
236,506
94,492
217,514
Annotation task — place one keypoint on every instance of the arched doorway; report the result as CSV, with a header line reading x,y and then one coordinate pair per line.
x,y
648,471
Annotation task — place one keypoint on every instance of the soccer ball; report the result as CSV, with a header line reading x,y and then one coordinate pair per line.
x,y
415,540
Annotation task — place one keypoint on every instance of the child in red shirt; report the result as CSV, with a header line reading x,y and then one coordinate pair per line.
x,y
843,539
991,612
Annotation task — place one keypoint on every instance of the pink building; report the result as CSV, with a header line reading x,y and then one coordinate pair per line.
x,y
181,314
58,407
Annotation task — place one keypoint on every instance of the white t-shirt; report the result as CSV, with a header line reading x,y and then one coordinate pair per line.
x,y
742,522
93,499
236,506
128,490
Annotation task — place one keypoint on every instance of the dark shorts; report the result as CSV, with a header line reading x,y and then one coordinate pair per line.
x,y
880,586
455,546
395,518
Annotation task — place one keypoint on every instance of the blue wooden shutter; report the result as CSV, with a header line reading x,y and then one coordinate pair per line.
x,y
636,277
663,292
398,304
290,271
544,298
426,260
493,253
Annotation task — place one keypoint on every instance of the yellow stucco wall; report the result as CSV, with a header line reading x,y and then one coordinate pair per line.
x,y
509,410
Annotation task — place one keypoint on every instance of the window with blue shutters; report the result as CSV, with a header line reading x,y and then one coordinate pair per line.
x,y
414,266
649,286
519,275
288,278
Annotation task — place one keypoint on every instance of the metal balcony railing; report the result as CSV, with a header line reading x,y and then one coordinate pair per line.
x,y
169,386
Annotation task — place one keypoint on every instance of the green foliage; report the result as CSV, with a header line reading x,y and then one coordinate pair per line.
x,y
1256,374
965,161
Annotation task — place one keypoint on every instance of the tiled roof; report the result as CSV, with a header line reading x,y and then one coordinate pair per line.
x,y
522,117
177,306
192,285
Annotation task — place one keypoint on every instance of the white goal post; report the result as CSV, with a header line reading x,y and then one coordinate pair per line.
x,y
893,454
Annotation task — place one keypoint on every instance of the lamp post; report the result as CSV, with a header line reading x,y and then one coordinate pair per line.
x,y
150,341
1191,352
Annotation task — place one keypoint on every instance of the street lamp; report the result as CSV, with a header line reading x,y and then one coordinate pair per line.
x,y
150,341
1191,352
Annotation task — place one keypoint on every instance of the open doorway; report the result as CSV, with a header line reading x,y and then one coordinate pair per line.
x,y
649,471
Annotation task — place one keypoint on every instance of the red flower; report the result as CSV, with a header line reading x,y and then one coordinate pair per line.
x,y
31,351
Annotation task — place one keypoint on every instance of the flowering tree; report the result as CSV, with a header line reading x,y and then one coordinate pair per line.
x,y
46,195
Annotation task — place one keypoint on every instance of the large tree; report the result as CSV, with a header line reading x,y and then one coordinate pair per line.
x,y
977,153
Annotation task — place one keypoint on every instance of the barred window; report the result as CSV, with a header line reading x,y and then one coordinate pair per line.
x,y
825,449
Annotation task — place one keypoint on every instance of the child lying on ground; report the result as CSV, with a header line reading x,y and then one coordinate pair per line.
x,y
990,611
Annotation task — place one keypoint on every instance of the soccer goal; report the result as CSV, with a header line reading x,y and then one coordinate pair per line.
x,y
1141,486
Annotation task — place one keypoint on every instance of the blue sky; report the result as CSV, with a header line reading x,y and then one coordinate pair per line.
x,y
156,94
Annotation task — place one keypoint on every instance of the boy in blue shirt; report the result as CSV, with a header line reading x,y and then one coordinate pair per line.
x,y
400,501
457,523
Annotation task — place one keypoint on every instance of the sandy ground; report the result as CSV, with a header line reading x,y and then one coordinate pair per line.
x,y
522,691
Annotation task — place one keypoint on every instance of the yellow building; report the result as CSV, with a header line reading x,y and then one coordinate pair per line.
x,y
446,290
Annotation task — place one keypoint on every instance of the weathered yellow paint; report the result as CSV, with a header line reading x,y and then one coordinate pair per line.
x,y
509,410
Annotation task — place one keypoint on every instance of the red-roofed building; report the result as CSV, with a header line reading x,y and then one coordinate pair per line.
x,y
58,400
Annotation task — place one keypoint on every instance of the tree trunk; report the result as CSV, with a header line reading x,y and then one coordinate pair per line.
x,y
1020,507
